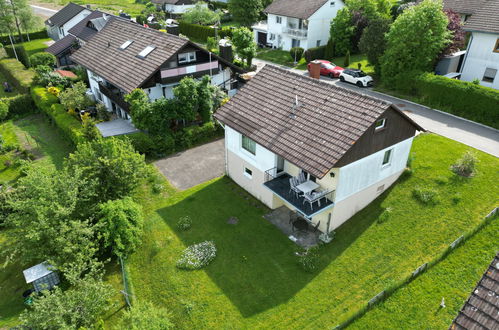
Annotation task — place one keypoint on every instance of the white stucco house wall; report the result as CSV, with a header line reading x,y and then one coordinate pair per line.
x,y
270,138
60,23
482,55
176,7
296,23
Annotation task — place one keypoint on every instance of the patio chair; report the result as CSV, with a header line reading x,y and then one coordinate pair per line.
x,y
313,197
293,183
301,178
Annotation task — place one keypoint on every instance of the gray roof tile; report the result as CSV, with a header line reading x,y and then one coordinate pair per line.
x,y
485,19
65,14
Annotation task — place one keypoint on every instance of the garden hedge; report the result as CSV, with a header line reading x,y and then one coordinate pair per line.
x,y
461,98
19,105
201,33
315,53
21,53
49,104
42,34
17,74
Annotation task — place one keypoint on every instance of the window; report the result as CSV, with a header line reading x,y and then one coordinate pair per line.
x,y
248,172
489,75
295,43
187,57
496,47
126,44
248,144
332,3
98,94
380,124
146,51
318,43
278,19
387,158
272,36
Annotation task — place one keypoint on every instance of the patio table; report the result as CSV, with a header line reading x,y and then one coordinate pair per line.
x,y
307,186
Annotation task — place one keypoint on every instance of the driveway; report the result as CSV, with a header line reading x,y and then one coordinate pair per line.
x,y
473,134
42,11
194,166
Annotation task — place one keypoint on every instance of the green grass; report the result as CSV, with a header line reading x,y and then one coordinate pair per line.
x,y
2,92
36,46
112,6
255,281
453,279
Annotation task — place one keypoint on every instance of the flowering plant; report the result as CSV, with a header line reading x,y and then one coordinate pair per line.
x,y
184,223
197,256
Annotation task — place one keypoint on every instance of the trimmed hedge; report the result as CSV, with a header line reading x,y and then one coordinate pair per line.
x,y
201,32
17,74
49,104
42,34
315,53
21,53
461,98
19,105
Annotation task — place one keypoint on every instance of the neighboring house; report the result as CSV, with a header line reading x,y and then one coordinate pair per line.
x,y
175,7
481,310
297,23
77,36
281,124
465,8
59,24
124,56
482,55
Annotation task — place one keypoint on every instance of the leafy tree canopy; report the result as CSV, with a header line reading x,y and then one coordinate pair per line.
x,y
245,12
342,31
373,40
42,58
201,14
75,98
245,45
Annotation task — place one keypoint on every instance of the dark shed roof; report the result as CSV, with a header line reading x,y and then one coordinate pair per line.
x,y
82,31
65,14
485,19
295,8
328,121
481,310
61,45
468,7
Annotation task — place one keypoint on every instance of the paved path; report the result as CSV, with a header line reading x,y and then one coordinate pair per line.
x,y
42,11
475,135
194,166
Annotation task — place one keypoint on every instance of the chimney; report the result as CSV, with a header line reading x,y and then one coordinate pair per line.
x,y
89,7
225,48
173,29
315,69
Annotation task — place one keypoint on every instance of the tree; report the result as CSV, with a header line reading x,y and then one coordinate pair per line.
x,y
75,98
373,41
121,224
342,31
146,316
76,308
245,45
329,51
200,14
455,27
245,12
371,9
16,14
414,41
186,94
42,58
112,163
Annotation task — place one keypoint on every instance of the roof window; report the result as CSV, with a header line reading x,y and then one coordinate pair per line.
x,y
146,51
126,44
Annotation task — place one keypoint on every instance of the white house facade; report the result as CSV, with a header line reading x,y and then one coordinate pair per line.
x,y
176,7
306,26
60,23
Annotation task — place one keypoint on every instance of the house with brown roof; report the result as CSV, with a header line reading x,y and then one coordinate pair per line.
x,y
482,54
465,8
59,24
323,151
297,23
124,56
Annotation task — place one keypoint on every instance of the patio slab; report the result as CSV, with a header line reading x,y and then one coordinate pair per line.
x,y
116,127
280,218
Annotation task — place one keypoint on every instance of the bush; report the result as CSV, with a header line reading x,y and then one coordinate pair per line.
x,y
45,76
316,53
309,260
385,215
466,165
193,135
4,110
42,34
185,223
42,58
19,105
21,53
17,74
196,32
426,196
296,53
346,63
197,256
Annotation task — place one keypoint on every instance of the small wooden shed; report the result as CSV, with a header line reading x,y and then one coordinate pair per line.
x,y
43,276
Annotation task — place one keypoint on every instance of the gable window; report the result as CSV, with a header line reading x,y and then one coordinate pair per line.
x,y
489,75
248,144
278,19
146,51
187,57
387,158
380,124
496,47
126,44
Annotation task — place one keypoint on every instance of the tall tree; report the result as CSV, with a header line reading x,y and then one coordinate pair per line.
x,y
342,31
414,41
373,41
455,27
245,44
245,12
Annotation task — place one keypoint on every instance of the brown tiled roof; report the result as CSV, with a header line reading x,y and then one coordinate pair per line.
x,y
481,310
468,7
65,14
485,19
124,68
61,45
295,8
329,119
81,30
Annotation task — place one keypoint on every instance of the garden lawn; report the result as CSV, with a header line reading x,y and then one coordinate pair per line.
x,y
2,92
255,281
453,279
131,7
36,46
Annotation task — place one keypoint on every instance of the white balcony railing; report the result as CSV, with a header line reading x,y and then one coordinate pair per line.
x,y
169,73
297,33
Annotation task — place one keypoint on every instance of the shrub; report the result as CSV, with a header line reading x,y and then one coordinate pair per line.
x,y
309,260
54,91
17,74
196,32
197,256
4,110
466,165
426,196
193,135
42,58
185,223
21,53
296,53
19,105
45,76
145,315
385,215
316,53
456,198
346,63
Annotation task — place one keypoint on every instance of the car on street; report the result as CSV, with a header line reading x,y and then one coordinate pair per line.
x,y
329,69
357,77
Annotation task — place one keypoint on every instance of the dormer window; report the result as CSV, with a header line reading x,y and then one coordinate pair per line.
x,y
146,51
380,124
186,57
126,44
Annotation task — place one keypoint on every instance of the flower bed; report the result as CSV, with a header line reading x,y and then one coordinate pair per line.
x,y
197,256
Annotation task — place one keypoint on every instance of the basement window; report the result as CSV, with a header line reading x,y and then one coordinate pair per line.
x,y
248,173
489,75
126,44
380,124
146,51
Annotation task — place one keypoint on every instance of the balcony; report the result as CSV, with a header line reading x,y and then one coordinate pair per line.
x,y
296,33
279,185
194,69
115,95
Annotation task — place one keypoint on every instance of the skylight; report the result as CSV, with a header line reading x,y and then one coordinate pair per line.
x,y
146,51
126,44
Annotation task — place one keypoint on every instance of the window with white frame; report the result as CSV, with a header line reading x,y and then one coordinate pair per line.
x,y
186,57
278,19
380,123
489,75
387,157
248,144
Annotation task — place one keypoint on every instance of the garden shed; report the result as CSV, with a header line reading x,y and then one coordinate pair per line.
x,y
43,276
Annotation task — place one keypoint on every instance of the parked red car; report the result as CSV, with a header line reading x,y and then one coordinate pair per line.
x,y
329,69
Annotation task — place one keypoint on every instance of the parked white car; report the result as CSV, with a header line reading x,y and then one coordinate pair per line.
x,y
357,77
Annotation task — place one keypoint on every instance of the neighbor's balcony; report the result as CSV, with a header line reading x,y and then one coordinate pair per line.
x,y
195,69
115,95
279,184
296,33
